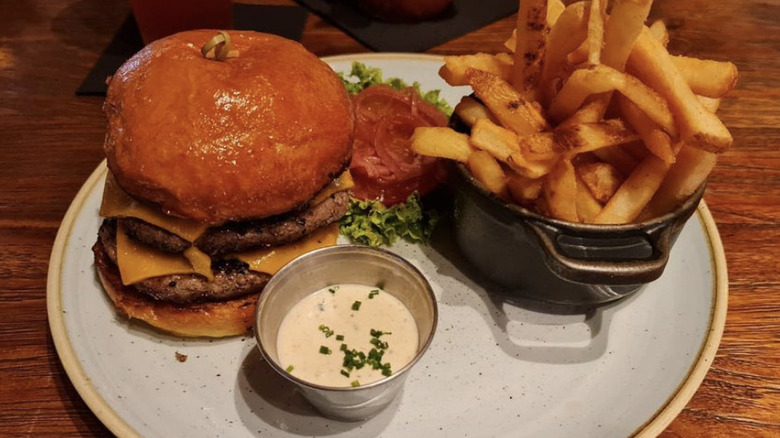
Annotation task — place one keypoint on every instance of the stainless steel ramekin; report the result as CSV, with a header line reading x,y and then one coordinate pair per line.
x,y
346,264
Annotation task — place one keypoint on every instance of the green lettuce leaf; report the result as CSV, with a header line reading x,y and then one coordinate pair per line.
x,y
362,76
371,223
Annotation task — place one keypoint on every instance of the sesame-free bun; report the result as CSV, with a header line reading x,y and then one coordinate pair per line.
x,y
245,138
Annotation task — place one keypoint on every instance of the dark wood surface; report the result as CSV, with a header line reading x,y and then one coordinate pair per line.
x,y
50,141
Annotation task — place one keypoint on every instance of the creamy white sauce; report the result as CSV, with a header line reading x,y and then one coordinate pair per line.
x,y
305,331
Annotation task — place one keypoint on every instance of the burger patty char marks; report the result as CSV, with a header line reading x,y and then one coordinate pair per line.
x,y
241,236
232,278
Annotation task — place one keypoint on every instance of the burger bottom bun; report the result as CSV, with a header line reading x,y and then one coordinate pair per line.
x,y
210,319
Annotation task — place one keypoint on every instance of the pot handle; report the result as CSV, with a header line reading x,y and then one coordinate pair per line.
x,y
628,271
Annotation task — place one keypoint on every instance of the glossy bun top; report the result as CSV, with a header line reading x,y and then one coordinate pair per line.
x,y
248,137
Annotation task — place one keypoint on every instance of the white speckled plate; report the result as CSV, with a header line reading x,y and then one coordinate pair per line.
x,y
497,367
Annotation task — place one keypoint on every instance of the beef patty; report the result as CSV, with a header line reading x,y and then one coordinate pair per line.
x,y
241,236
232,278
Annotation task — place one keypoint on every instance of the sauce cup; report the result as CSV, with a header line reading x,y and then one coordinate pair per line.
x,y
345,264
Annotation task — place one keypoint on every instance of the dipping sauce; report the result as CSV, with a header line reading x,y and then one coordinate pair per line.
x,y
347,335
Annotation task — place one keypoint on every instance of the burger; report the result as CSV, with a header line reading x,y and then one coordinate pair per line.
x,y
223,165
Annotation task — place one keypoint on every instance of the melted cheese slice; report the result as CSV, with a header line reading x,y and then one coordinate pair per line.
x,y
138,261
343,182
117,203
272,259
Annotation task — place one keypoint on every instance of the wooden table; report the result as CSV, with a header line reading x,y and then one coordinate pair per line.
x,y
51,140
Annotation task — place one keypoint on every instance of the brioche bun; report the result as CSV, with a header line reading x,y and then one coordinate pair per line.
x,y
242,145
214,141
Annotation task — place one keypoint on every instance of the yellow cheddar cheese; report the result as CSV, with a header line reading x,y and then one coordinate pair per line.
x,y
272,259
117,203
200,262
138,261
343,182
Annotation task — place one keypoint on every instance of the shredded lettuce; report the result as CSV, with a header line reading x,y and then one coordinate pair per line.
x,y
371,223
362,76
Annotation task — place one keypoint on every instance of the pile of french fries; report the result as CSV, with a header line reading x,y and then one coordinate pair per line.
x,y
587,118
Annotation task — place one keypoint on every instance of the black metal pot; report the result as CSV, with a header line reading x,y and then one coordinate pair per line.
x,y
556,261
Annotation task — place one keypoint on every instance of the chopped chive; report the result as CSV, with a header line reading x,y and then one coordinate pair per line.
x,y
289,368
378,333
332,290
355,383
378,344
343,347
373,293
344,373
324,350
339,337
356,305
325,329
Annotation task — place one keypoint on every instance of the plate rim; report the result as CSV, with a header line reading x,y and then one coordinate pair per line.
x,y
62,344
119,427
688,387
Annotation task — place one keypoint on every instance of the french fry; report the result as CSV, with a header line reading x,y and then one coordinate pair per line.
x,y
691,169
554,10
591,111
441,142
470,110
454,69
531,41
650,62
580,55
635,192
568,33
636,149
617,157
507,104
497,140
601,78
706,77
711,104
655,139
576,139
504,145
595,36
486,170
660,32
611,158
511,43
560,191
588,207
524,190
601,179
626,22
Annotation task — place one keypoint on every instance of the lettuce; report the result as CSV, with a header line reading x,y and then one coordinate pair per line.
x,y
371,223
362,76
